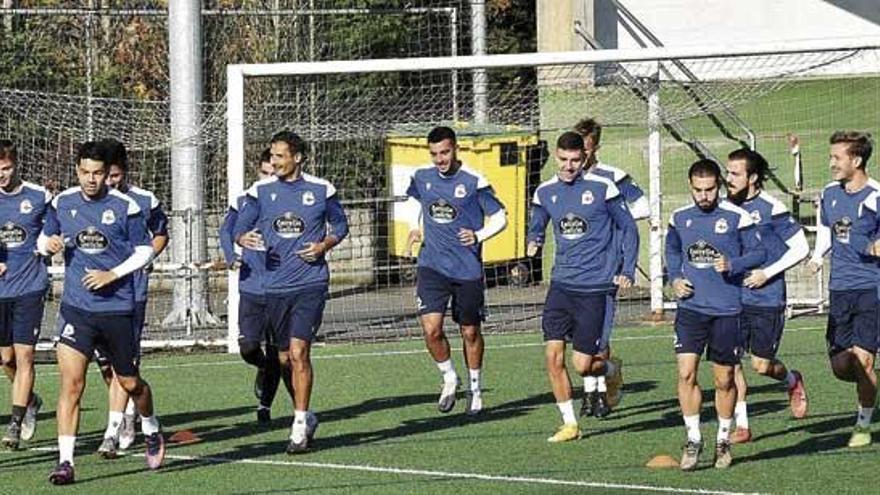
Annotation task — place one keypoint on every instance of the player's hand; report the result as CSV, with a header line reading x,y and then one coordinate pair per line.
x,y
235,265
311,252
683,288
467,237
814,266
874,248
755,279
532,249
54,244
2,269
252,240
415,235
722,264
98,279
623,282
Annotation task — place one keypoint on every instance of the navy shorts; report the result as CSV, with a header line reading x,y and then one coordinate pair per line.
x,y
20,319
762,330
718,335
113,333
575,316
852,320
433,291
253,319
138,319
296,315
608,324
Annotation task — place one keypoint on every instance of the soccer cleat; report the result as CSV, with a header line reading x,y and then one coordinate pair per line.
x,y
29,423
690,455
741,435
311,426
614,383
109,448
301,447
127,433
601,409
264,415
258,383
723,456
447,396
62,474
861,437
12,437
588,403
566,433
155,452
474,404
797,396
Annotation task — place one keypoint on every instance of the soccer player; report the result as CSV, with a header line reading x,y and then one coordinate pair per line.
x,y
253,320
763,298
847,214
455,202
103,236
710,245
587,211
291,212
23,283
601,396
120,431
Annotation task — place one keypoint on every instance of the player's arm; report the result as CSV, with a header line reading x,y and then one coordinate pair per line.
x,y
338,230
753,252
538,221
248,215
823,238
496,215
227,240
675,263
138,237
158,228
626,225
413,203
635,198
784,226
49,241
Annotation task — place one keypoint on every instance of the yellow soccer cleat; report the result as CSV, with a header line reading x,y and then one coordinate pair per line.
x,y
861,437
566,433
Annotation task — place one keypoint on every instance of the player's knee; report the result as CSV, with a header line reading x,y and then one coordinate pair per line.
x,y
470,333
72,385
299,354
131,384
555,360
283,359
762,366
687,376
251,352
433,332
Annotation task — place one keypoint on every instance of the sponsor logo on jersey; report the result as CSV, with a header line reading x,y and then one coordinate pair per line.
x,y
25,207
756,216
587,198
842,229
701,254
91,241
442,212
308,198
572,227
721,226
460,191
12,235
288,226
108,217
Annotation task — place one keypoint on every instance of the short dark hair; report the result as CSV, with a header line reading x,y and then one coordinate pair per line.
x,y
859,144
7,150
570,141
704,168
294,142
755,163
440,134
265,156
91,150
589,128
114,153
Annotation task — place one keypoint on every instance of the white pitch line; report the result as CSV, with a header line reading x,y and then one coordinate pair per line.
x,y
448,474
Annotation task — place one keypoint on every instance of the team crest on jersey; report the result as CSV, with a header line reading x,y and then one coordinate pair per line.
x,y
572,227
108,217
288,226
587,198
721,226
553,199
72,213
91,241
12,235
460,191
308,198
701,254
842,229
428,186
442,212
688,223
756,216
25,207
273,196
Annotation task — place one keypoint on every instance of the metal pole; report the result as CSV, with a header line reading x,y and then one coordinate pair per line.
x,y
655,160
453,51
234,184
90,112
478,47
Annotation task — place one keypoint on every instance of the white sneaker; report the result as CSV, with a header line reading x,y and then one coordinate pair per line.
x,y
29,423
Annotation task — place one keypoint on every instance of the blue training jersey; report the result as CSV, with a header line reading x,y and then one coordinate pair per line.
x,y
628,188
852,219
21,219
253,263
98,234
696,238
776,226
586,214
451,203
290,215
156,223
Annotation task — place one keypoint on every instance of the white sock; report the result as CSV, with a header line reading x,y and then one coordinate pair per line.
x,y
590,383
475,380
567,410
790,379
65,448
864,417
149,425
114,421
448,371
610,368
692,425
130,409
724,429
600,383
298,428
741,415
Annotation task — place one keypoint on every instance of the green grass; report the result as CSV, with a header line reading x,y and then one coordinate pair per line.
x,y
380,411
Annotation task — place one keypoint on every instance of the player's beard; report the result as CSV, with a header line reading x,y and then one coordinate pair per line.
x,y
739,197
